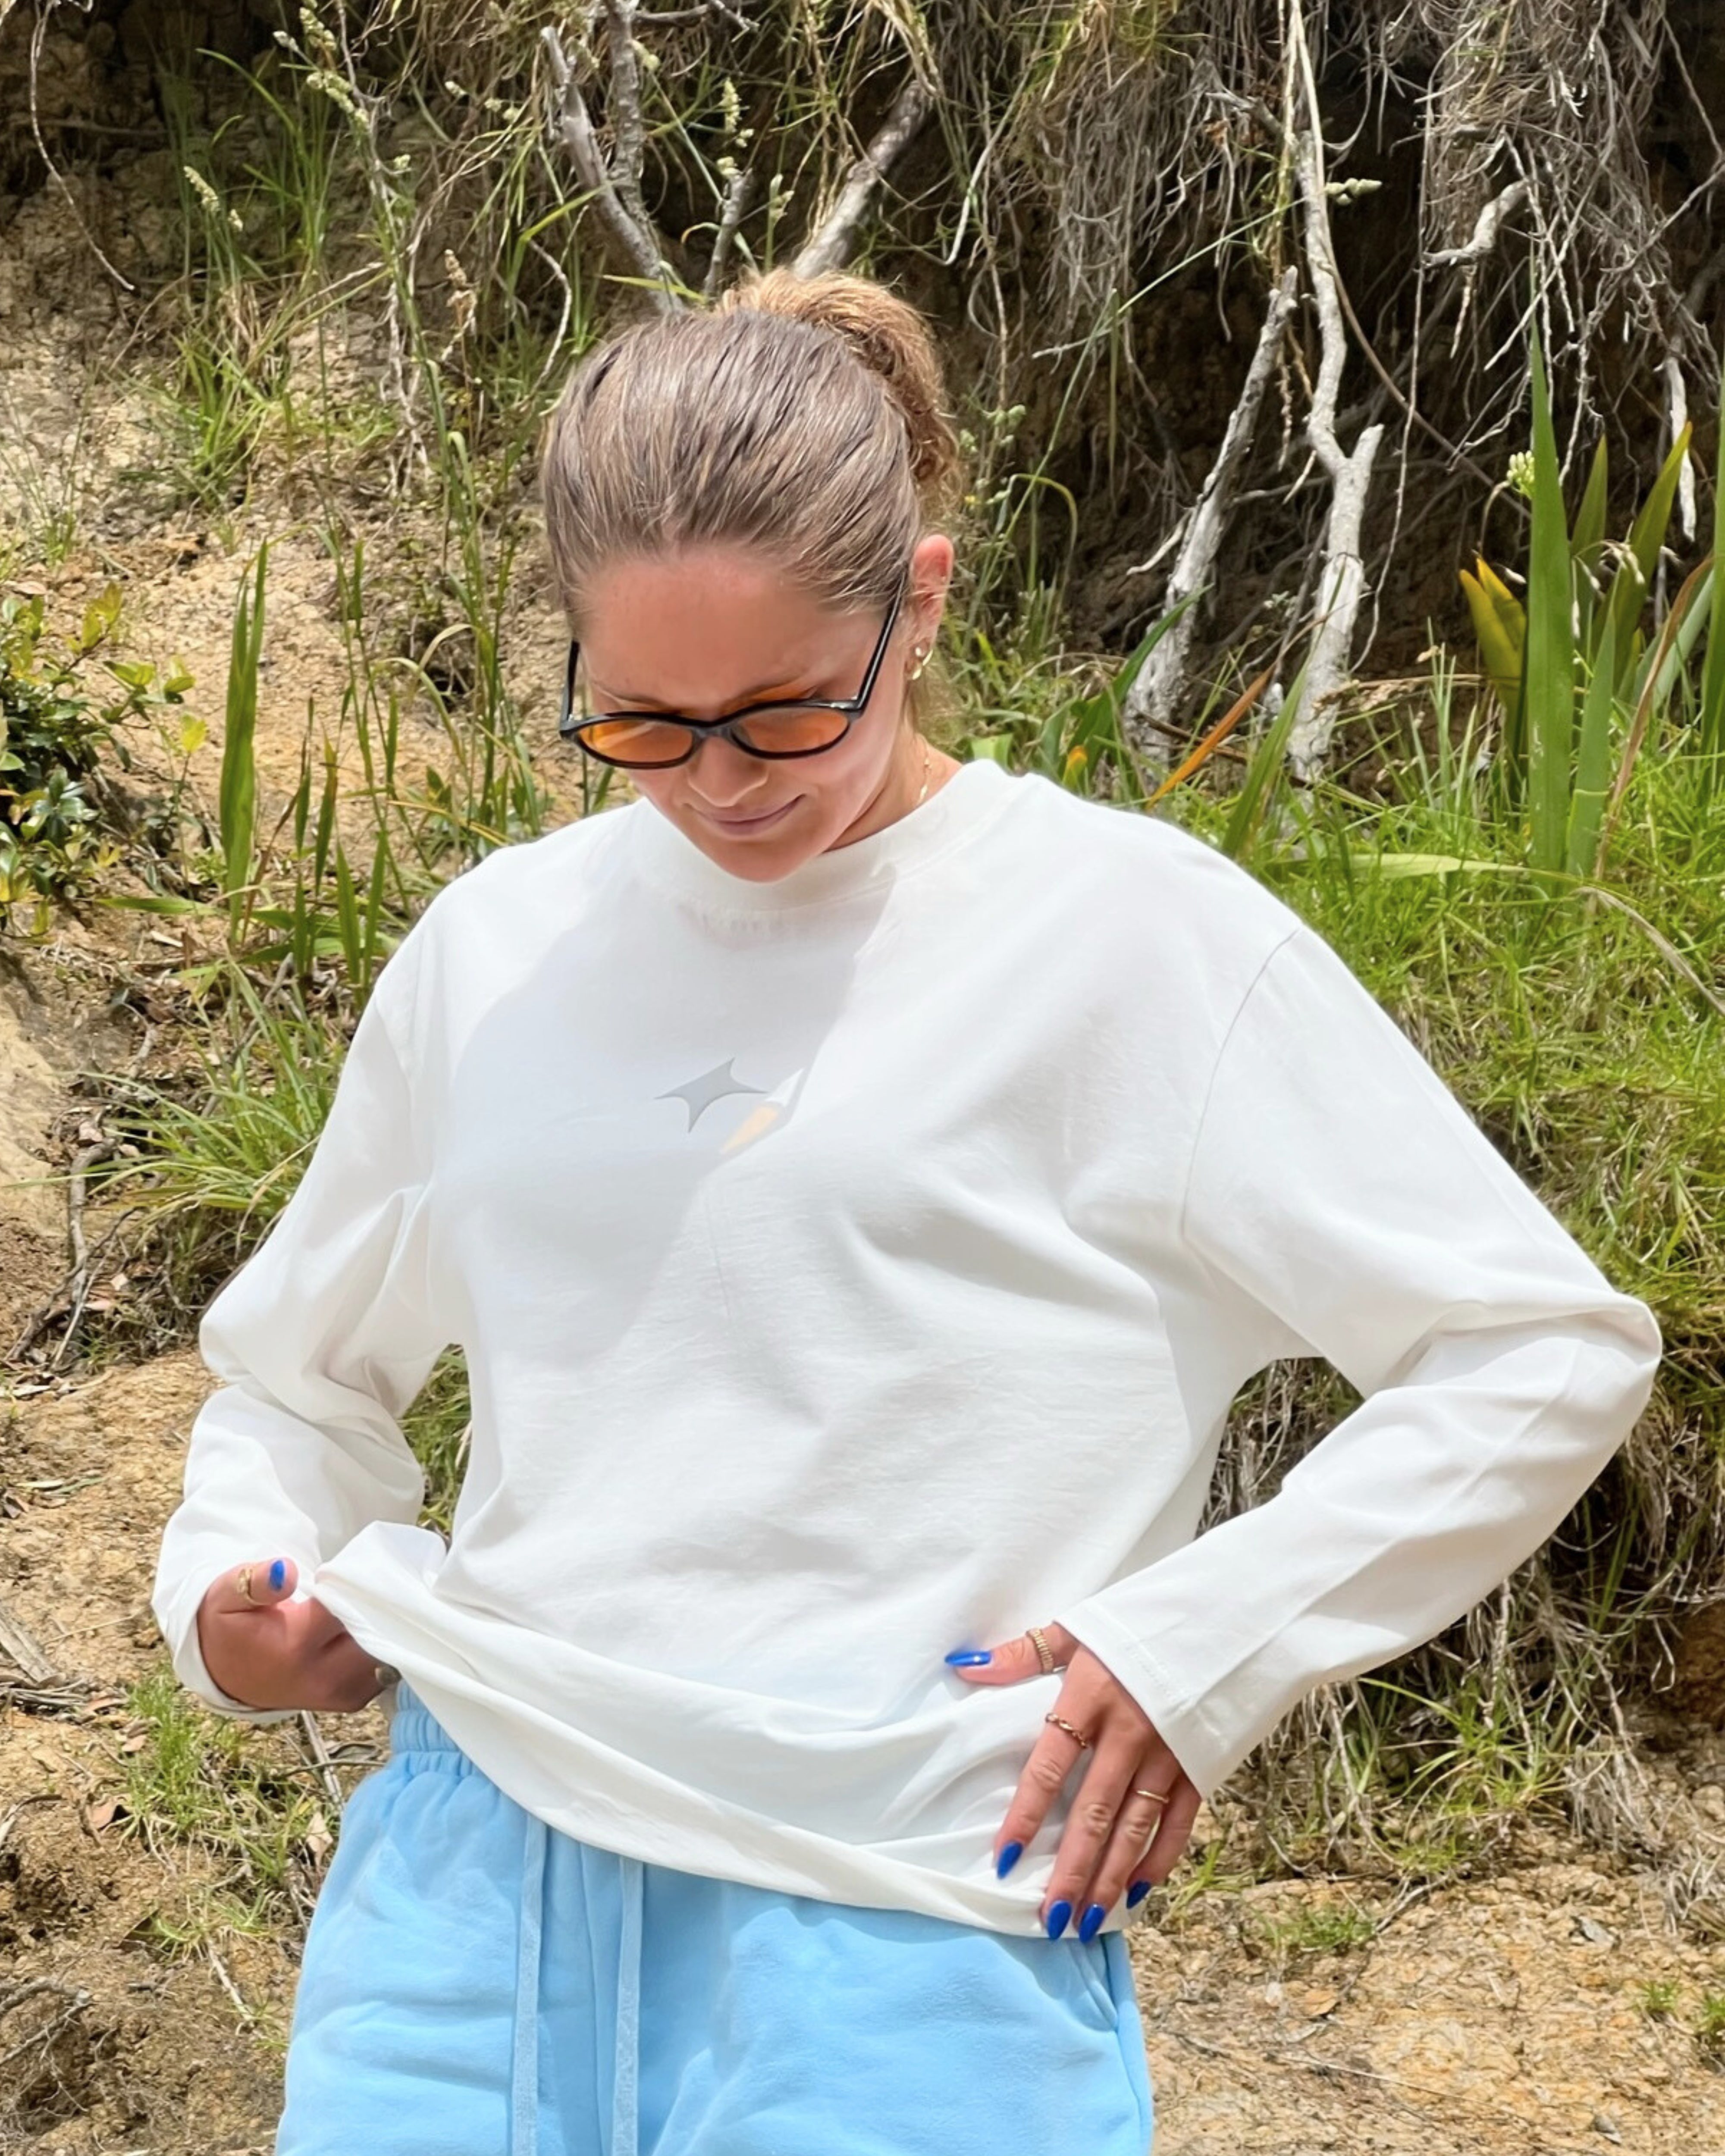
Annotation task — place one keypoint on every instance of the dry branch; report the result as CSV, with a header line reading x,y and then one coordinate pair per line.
x,y
1151,700
617,194
18,1642
1487,227
833,245
739,181
1342,582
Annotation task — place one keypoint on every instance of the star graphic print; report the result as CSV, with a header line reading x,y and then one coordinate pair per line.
x,y
712,1086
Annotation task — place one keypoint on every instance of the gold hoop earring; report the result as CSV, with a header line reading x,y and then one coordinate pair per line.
x,y
922,652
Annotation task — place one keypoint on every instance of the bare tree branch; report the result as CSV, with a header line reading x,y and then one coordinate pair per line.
x,y
1151,697
738,183
1343,581
833,243
618,197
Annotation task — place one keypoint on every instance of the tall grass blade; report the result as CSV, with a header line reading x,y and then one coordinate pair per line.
x,y
238,793
1710,729
1262,774
1593,759
1215,738
1633,579
1587,542
1656,689
1550,691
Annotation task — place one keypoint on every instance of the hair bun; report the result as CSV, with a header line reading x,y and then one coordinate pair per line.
x,y
892,340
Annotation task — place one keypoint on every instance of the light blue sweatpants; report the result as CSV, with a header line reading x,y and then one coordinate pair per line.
x,y
477,1983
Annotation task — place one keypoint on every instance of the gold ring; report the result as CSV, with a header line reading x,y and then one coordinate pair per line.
x,y
1156,1796
1044,1653
1079,1736
243,1583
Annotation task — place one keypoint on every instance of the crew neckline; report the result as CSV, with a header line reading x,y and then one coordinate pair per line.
x,y
970,799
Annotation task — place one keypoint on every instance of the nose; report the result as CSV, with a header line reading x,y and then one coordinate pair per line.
x,y
723,775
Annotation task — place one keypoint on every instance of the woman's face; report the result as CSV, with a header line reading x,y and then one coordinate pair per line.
x,y
704,631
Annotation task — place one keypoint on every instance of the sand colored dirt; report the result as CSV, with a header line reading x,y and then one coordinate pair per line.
x,y
1505,2014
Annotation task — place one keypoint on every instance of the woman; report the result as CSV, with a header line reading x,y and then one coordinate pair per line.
x,y
860,1183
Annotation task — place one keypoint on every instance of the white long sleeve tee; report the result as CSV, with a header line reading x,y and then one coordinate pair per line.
x,y
859,1267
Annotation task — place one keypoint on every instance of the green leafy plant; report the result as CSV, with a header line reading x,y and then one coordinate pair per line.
x,y
1077,739
1572,664
56,731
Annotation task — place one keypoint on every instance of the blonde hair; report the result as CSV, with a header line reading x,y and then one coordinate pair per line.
x,y
802,418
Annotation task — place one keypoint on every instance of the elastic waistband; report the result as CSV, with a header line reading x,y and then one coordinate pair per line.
x,y
413,1727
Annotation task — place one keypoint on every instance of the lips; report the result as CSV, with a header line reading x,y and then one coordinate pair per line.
x,y
746,827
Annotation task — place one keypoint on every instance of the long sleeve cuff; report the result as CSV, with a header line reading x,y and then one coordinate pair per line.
x,y
177,1613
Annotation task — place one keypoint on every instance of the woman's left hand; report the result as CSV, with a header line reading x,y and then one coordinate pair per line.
x,y
1118,1837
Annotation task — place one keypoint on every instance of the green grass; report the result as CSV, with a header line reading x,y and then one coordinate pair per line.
x,y
1581,1023
1312,1929
436,1426
203,1782
1658,1997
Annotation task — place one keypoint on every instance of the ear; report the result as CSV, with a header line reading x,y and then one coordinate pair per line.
x,y
930,575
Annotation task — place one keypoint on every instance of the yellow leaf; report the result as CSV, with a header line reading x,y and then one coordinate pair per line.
x,y
1499,622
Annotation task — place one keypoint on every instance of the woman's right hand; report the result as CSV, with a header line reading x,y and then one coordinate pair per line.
x,y
272,1652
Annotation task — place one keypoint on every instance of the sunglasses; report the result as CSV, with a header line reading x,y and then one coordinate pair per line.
x,y
655,740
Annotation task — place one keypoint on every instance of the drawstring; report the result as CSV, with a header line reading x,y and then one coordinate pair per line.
x,y
524,2090
625,2098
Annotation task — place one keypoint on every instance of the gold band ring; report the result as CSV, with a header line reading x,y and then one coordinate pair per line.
x,y
1156,1796
1079,1736
243,1583
1044,1653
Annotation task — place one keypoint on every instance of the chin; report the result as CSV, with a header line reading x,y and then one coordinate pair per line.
x,y
765,857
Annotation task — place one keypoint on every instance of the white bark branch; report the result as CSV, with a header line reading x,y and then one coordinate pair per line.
x,y
1679,397
1342,580
1152,696
833,243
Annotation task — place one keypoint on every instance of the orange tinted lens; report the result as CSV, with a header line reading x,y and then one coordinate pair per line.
x,y
637,740
797,728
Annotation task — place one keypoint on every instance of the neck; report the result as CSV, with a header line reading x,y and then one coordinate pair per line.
x,y
915,770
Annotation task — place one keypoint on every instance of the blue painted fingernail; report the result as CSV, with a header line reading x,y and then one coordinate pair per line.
x,y
1058,1918
1092,1922
967,1659
277,1572
1007,1857
1136,1892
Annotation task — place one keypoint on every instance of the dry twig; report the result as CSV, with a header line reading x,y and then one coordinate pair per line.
x,y
17,1641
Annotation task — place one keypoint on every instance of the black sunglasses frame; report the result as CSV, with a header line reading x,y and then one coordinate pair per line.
x,y
852,707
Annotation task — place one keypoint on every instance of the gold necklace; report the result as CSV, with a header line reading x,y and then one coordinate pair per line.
x,y
918,803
